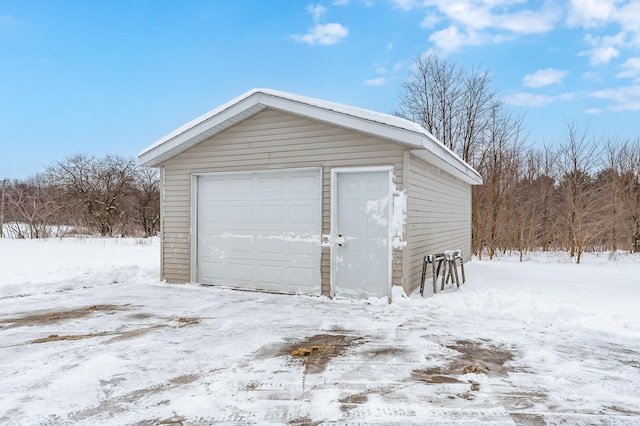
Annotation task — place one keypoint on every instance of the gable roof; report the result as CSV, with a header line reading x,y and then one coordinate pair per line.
x,y
395,129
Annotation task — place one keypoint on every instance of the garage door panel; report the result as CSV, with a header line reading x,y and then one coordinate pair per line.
x,y
298,275
300,249
216,272
240,245
238,188
270,274
303,185
262,231
216,214
241,214
271,245
216,187
272,214
270,185
242,271
302,214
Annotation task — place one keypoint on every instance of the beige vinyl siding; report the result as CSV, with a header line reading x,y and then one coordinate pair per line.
x,y
268,140
438,217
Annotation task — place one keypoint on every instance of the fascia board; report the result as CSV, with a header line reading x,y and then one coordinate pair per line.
x,y
447,155
458,169
191,133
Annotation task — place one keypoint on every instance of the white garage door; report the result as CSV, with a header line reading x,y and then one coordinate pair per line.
x,y
260,230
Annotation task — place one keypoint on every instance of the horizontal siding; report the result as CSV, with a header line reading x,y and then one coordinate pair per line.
x,y
268,140
438,217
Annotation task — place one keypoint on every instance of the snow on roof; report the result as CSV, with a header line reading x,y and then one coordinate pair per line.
x,y
386,126
379,117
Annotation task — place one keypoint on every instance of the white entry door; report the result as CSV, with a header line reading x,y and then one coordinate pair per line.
x,y
361,254
260,230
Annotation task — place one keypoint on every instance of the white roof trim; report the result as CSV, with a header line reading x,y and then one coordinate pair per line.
x,y
385,126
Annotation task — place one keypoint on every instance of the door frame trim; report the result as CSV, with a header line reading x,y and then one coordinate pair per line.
x,y
333,222
193,214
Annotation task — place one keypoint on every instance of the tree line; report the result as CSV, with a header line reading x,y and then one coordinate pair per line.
x,y
82,194
578,195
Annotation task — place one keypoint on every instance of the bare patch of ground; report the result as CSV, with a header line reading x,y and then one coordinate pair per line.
x,y
351,401
522,419
385,352
475,354
624,411
306,421
322,348
187,321
43,318
132,334
172,421
475,357
56,338
47,317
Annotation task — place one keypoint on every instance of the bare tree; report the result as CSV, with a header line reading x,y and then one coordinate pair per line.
x,y
499,166
35,208
100,186
577,160
629,171
454,106
460,109
2,206
146,200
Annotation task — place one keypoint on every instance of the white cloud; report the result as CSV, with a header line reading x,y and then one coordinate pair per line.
x,y
566,97
323,35
379,81
452,39
497,15
593,111
630,68
544,77
528,99
605,48
468,15
317,11
528,21
590,13
478,22
399,65
533,100
340,2
629,17
405,4
625,98
591,76
429,21
600,55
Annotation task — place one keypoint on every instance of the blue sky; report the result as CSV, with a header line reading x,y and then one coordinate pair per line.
x,y
113,76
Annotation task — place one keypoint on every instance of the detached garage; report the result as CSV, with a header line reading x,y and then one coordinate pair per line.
x,y
279,192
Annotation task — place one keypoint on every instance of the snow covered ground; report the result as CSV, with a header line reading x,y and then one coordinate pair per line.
x,y
89,336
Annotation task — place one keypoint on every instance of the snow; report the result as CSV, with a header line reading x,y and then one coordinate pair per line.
x,y
89,336
399,216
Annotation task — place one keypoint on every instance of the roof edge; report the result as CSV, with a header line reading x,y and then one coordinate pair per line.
x,y
458,169
377,124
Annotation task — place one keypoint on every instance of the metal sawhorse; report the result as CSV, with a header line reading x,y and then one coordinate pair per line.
x,y
443,265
